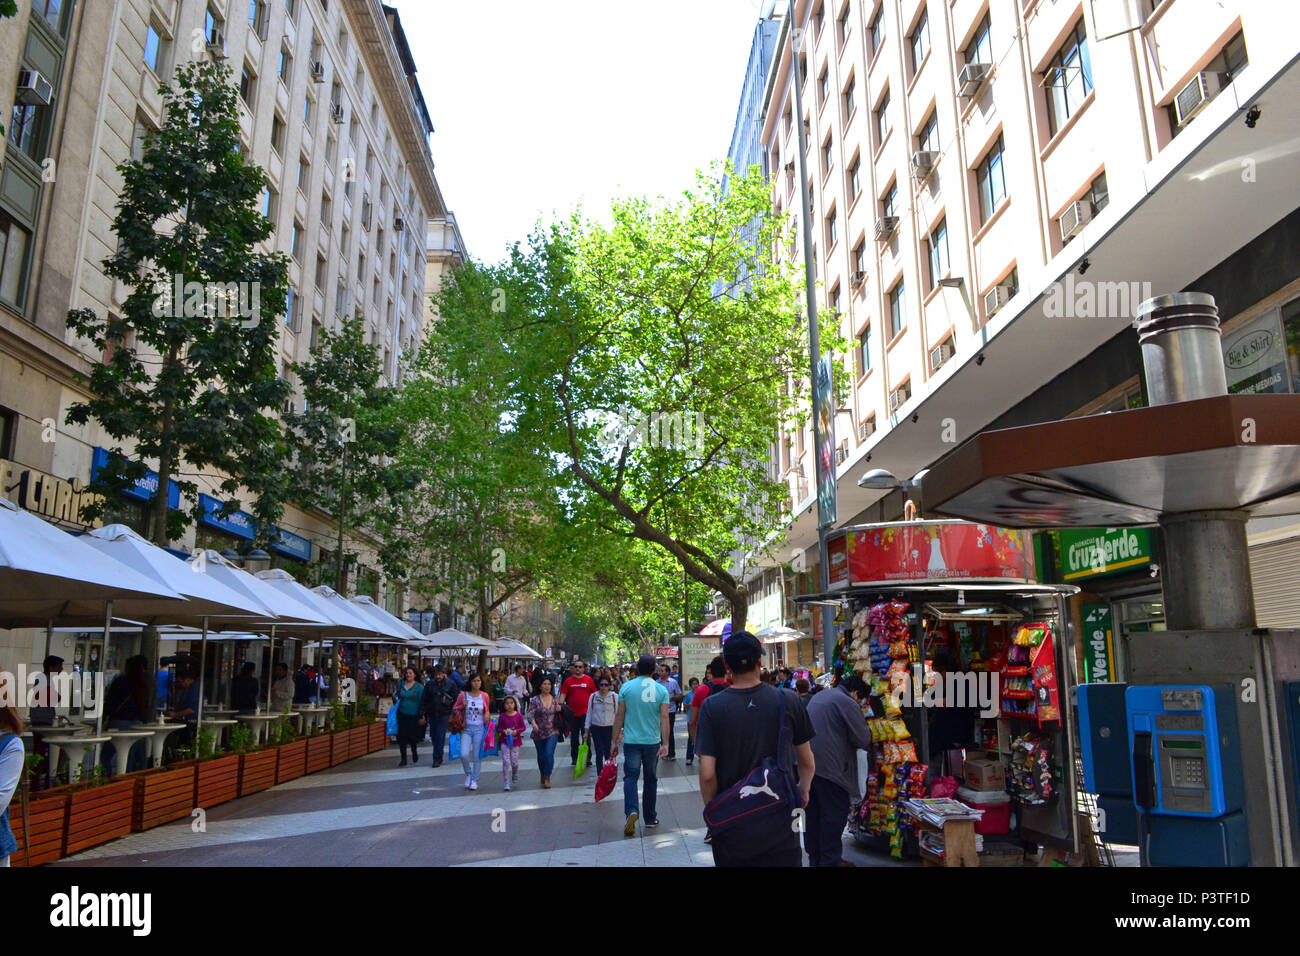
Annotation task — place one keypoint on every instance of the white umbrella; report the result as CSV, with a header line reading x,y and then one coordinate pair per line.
x,y
778,634
512,648
344,621
449,638
49,575
366,606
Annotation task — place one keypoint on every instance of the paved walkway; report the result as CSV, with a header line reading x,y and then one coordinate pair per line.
x,y
370,812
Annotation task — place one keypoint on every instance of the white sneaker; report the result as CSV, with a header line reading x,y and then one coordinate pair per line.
x,y
468,781
473,784
507,784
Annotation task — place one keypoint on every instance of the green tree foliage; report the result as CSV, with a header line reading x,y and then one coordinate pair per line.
x,y
191,384
345,438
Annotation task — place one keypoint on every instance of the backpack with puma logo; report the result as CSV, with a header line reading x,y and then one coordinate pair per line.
x,y
764,798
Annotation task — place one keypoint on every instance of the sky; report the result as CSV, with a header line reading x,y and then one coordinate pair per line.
x,y
539,107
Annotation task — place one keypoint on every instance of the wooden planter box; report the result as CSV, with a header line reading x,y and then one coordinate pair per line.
x,y
377,737
360,745
291,761
318,752
99,814
340,747
216,781
256,771
47,823
163,795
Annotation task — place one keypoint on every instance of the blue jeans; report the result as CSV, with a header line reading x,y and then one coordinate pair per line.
x,y
438,734
546,754
471,750
636,756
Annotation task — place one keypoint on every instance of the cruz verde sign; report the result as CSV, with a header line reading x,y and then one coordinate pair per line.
x,y
1092,552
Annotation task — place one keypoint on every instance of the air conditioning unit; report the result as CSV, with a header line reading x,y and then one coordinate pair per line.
x,y
940,354
899,396
1076,216
971,78
923,163
367,207
217,43
1193,97
789,167
996,298
398,224
34,89
859,278
842,453
336,112
886,226
317,71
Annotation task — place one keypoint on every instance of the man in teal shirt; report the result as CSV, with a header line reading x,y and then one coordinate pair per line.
x,y
642,724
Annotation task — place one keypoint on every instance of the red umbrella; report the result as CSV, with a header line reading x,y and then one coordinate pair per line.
x,y
721,626
605,782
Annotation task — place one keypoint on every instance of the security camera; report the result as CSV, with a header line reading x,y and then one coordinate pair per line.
x,y
979,359
1084,266
915,418
1252,117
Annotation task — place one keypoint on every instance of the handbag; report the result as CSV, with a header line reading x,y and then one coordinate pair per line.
x,y
580,767
762,800
454,743
391,729
456,722
605,782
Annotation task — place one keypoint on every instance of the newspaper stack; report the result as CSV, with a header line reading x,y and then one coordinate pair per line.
x,y
937,811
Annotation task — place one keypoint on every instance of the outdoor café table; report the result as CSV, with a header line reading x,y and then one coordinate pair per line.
x,y
315,714
123,740
218,728
161,731
258,723
219,713
76,747
297,716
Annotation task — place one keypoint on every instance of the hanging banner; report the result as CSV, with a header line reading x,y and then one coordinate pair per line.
x,y
824,409
1092,552
1098,644
930,551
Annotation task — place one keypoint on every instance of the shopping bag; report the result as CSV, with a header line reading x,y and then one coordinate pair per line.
x,y
455,747
580,767
490,739
605,782
391,729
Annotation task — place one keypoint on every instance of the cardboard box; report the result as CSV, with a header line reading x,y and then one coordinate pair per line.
x,y
985,774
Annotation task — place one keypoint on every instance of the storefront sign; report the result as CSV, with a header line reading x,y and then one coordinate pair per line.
x,y
239,523
1092,552
824,409
142,490
697,653
292,545
930,551
665,652
1098,644
55,499
1254,356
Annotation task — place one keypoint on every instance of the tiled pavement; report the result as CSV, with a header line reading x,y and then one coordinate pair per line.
x,y
370,812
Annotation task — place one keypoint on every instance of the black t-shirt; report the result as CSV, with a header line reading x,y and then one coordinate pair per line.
x,y
738,728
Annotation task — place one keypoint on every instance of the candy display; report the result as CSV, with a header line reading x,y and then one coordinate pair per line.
x,y
1033,768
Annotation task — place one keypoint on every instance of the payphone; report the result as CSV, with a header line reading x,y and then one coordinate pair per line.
x,y
1186,774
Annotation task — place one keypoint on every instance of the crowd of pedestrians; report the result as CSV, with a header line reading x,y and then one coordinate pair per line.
x,y
759,737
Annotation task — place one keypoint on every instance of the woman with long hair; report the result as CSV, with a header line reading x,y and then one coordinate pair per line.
x,y
542,711
410,725
474,703
12,757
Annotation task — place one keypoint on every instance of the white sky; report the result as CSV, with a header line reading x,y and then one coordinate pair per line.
x,y
539,105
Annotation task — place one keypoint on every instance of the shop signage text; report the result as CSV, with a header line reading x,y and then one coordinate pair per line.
x,y
665,652
239,523
1092,552
1099,644
929,551
142,490
292,545
56,499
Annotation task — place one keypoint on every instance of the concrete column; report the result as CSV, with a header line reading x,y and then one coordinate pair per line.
x,y
1206,574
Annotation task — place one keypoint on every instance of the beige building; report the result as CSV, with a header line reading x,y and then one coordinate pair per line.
x,y
330,107
970,161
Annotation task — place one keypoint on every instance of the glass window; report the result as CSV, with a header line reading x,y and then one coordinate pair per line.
x,y
849,102
51,11
980,48
1068,78
919,41
13,260
855,178
828,155
991,180
882,119
304,173
860,258
877,31
291,309
286,65
897,310
277,135
257,17
845,23
864,351
295,246
152,47
928,138
26,128
832,230
824,82
306,111
889,204
247,86
938,243
268,202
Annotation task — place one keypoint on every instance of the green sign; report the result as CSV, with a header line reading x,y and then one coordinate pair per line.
x,y
1091,552
1098,644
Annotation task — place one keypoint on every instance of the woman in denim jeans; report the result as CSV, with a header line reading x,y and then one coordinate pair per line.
x,y
541,714
474,703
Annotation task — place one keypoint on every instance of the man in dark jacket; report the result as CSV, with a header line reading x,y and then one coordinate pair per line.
x,y
302,685
245,690
841,731
436,703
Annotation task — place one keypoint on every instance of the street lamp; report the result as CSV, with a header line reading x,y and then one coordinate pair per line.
x,y
257,560
959,283
878,479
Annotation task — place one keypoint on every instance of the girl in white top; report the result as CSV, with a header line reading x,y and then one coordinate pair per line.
x,y
474,703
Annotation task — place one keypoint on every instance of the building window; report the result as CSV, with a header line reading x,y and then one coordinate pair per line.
x,y
247,86
849,100
1068,78
213,27
277,135
845,24
882,119
153,48
270,201
321,267
1230,61
864,351
897,310
860,259
819,18
257,17
877,29
291,8
27,129
304,173
1099,194
928,138
919,42
295,246
286,65
832,230
889,204
833,300
824,84
292,305
8,432
991,181
938,252
14,240
980,48
828,155
855,179
307,105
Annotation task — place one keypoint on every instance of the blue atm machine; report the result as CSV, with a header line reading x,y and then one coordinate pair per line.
x,y
1165,762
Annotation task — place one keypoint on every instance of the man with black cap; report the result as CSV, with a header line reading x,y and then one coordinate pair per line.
x,y
435,704
739,729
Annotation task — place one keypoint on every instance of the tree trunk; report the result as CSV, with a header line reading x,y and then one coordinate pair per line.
x,y
166,461
484,628
739,611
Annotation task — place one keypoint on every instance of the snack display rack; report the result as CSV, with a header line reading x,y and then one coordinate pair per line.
x,y
925,644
